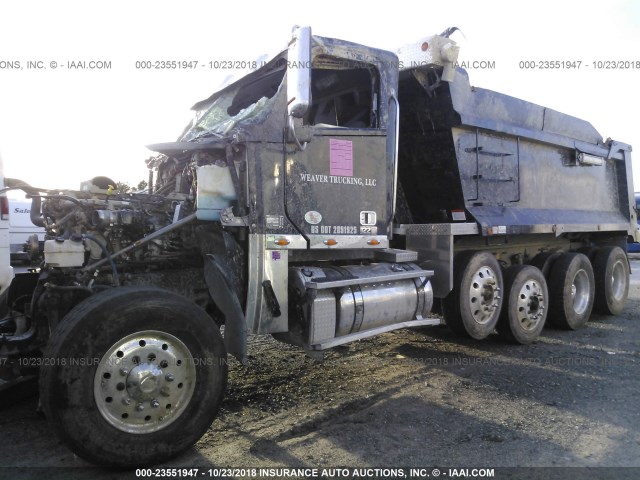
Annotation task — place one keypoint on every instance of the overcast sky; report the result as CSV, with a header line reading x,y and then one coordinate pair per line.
x,y
60,126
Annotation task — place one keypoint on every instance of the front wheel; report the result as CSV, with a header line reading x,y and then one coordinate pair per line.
x,y
133,376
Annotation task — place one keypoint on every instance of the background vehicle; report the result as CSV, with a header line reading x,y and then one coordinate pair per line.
x,y
333,194
633,247
6,271
22,231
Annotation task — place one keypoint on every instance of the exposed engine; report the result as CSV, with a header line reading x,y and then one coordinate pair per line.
x,y
106,222
98,237
98,222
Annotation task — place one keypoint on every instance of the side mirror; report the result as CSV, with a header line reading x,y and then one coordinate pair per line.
x,y
299,72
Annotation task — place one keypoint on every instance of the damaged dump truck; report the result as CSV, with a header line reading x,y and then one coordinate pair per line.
x,y
334,193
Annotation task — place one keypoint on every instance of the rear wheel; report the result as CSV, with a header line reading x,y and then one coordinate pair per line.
x,y
543,262
571,291
472,308
611,271
133,376
525,306
589,251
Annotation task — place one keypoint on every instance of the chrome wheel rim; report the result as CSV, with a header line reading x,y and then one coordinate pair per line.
x,y
618,280
530,305
484,294
580,292
144,381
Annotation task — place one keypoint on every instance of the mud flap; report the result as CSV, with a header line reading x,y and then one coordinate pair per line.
x,y
235,329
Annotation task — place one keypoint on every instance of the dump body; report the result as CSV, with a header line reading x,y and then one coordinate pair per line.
x,y
470,154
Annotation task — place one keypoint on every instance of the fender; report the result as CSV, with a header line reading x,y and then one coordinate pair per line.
x,y
224,274
235,330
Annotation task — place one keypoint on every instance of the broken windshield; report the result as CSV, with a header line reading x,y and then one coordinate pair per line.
x,y
246,102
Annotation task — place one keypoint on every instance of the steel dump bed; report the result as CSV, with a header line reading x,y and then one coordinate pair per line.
x,y
469,154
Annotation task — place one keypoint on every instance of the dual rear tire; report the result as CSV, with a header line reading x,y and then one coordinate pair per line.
x,y
518,301
473,307
526,304
579,285
612,272
483,299
572,288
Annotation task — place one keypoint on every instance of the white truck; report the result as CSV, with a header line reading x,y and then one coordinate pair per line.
x,y
6,270
25,239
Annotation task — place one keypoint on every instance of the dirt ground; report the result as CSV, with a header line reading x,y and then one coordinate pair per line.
x,y
411,398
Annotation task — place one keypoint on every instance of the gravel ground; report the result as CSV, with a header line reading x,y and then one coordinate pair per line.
x,y
411,398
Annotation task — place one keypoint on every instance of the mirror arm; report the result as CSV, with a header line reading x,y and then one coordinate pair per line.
x,y
292,130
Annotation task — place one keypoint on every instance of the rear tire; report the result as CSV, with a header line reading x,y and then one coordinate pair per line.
x,y
133,376
526,299
472,308
571,291
611,271
544,261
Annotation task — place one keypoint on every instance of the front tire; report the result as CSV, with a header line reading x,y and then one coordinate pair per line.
x,y
133,376
544,261
472,308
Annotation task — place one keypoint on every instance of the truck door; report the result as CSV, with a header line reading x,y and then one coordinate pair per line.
x,y
338,186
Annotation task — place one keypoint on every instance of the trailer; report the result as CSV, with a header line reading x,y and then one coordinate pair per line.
x,y
335,192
